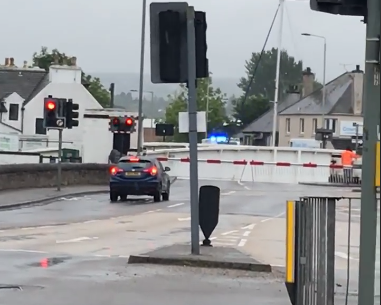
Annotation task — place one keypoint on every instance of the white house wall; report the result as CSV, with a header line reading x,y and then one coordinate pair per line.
x,y
75,91
14,98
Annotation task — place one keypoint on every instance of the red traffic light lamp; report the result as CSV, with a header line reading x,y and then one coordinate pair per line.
x,y
51,105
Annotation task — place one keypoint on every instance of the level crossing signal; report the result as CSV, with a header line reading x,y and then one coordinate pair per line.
x,y
122,125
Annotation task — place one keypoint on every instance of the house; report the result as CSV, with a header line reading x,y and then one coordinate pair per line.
x,y
22,93
18,86
259,132
342,110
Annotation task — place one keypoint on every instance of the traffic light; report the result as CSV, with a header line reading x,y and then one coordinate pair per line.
x,y
71,114
114,124
341,7
202,62
122,124
51,114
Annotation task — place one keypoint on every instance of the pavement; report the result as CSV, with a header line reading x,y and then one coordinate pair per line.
x,y
82,243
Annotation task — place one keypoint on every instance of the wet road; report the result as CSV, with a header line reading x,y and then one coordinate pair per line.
x,y
90,240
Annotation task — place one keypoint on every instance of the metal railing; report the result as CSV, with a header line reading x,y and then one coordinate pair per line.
x,y
322,250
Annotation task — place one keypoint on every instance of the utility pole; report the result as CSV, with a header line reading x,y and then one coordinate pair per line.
x,y
277,76
371,104
141,80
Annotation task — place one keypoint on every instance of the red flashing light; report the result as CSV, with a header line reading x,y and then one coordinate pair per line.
x,y
129,121
115,121
51,105
152,170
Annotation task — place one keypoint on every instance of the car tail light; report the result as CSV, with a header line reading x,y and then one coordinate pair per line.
x,y
152,170
114,170
134,159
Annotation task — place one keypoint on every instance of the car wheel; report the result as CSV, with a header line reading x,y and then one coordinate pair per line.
x,y
123,197
166,194
113,197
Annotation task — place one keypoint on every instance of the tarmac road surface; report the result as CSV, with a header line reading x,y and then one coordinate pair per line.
x,y
87,239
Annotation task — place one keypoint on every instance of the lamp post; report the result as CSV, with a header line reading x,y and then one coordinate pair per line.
x,y
324,74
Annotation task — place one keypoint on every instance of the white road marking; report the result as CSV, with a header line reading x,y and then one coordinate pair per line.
x,y
89,221
22,250
229,232
175,205
242,243
249,227
75,240
271,218
246,187
345,256
246,233
228,193
153,211
240,183
183,219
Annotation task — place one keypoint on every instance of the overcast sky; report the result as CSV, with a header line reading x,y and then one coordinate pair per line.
x,y
105,34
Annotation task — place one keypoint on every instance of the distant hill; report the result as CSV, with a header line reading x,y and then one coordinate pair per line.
x,y
124,82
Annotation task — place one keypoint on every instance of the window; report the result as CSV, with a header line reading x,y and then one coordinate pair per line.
x,y
39,127
288,125
330,124
13,112
301,126
314,125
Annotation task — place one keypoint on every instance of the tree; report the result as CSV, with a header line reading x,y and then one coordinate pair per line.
x,y
264,80
45,58
250,109
205,93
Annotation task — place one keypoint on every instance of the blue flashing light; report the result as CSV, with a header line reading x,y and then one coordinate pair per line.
x,y
218,138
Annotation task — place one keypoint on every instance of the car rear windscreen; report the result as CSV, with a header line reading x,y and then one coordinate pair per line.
x,y
129,165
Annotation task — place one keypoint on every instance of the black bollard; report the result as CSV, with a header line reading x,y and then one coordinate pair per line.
x,y
209,210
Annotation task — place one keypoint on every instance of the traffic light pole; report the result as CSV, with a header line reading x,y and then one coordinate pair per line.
x,y
192,110
59,166
368,220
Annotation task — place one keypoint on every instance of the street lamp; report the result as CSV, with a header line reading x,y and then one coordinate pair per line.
x,y
324,73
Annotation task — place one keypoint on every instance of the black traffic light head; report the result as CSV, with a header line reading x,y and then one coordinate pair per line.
x,y
51,112
115,124
168,42
71,114
129,124
202,62
340,7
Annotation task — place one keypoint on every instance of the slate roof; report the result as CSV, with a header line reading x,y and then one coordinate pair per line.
x,y
265,122
339,97
25,82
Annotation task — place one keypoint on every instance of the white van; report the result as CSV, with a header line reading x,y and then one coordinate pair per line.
x,y
305,143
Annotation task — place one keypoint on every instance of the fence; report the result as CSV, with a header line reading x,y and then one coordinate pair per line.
x,y
322,250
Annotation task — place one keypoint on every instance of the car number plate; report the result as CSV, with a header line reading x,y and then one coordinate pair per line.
x,y
132,174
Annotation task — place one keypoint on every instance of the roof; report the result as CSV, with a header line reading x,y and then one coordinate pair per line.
x,y
25,82
338,99
265,122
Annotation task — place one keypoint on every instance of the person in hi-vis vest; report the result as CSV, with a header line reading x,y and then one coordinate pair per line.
x,y
347,159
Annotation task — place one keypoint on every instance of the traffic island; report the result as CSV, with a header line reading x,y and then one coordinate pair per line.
x,y
210,257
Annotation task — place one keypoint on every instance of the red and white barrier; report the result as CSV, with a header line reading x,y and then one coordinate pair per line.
x,y
256,171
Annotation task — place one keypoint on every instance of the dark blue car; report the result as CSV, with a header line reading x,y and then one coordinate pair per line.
x,y
139,176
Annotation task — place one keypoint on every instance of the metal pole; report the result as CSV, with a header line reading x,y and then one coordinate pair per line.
x,y
324,83
277,76
192,110
207,108
371,100
140,111
59,166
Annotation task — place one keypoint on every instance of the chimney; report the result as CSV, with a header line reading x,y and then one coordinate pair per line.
x,y
74,61
358,70
25,66
6,62
11,62
308,82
